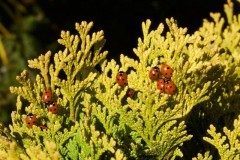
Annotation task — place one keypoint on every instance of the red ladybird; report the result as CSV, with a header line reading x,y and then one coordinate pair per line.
x,y
47,96
170,87
166,71
154,73
31,120
121,78
161,85
53,107
130,92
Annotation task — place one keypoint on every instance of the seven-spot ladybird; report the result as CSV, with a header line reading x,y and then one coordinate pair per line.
x,y
166,71
47,96
170,87
154,73
130,92
121,78
161,85
31,120
53,107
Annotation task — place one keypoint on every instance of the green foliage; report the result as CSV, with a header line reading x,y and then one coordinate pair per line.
x,y
228,145
206,156
222,37
97,120
72,89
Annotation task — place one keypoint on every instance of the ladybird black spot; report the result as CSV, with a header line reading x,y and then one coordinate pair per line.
x,y
30,115
168,67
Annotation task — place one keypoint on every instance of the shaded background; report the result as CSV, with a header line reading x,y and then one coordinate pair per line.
x,y
121,19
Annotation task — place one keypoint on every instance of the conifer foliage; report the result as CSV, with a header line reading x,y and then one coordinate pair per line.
x,y
71,110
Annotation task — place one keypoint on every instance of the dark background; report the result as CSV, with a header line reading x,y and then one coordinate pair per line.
x,y
121,19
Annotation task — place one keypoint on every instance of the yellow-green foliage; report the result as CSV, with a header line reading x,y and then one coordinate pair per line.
x,y
206,156
98,121
228,145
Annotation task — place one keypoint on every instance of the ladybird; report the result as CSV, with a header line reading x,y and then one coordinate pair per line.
x,y
161,85
166,71
121,78
53,107
154,73
47,96
170,87
31,120
130,92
